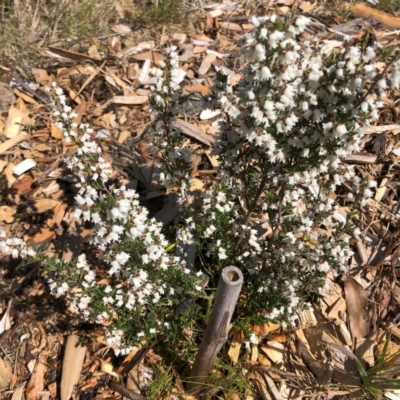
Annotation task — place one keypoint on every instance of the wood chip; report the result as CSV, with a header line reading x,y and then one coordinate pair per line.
x,y
361,158
206,64
193,131
10,143
231,26
24,166
129,100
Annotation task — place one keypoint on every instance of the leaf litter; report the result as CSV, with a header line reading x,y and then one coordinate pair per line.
x,y
41,353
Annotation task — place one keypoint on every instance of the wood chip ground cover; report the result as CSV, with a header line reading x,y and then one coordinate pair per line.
x,y
46,354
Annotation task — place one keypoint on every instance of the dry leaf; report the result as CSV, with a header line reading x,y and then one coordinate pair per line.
x,y
44,205
109,369
357,308
5,375
230,26
306,6
149,55
122,29
41,76
19,392
14,121
206,63
199,88
275,351
72,366
362,10
234,351
36,382
7,214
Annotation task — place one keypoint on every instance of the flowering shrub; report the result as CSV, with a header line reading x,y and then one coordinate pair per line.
x,y
134,287
298,112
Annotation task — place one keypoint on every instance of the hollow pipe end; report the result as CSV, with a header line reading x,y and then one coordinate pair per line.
x,y
232,276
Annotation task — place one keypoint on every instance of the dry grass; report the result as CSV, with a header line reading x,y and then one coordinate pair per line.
x,y
28,25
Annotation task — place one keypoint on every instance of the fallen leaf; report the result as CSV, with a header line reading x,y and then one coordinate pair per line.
x,y
44,205
234,351
357,308
149,55
14,121
306,6
206,63
36,382
72,366
19,392
5,375
109,369
41,76
7,214
230,26
199,88
122,29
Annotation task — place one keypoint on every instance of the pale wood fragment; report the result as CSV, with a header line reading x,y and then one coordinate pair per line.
x,y
10,143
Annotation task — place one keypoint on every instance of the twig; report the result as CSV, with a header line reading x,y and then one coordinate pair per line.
x,y
129,394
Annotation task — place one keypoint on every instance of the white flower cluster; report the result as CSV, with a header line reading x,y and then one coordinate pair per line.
x,y
174,160
130,248
14,246
296,114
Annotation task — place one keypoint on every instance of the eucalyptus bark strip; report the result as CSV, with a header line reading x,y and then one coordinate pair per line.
x,y
216,333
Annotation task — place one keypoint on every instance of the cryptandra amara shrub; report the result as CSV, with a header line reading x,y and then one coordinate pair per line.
x,y
299,110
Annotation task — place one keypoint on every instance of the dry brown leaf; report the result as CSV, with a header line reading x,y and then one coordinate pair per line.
x,y
306,6
149,55
275,351
121,29
230,26
72,366
357,308
5,375
19,392
36,382
44,205
15,118
206,63
41,76
362,10
199,88
55,132
7,214
234,351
